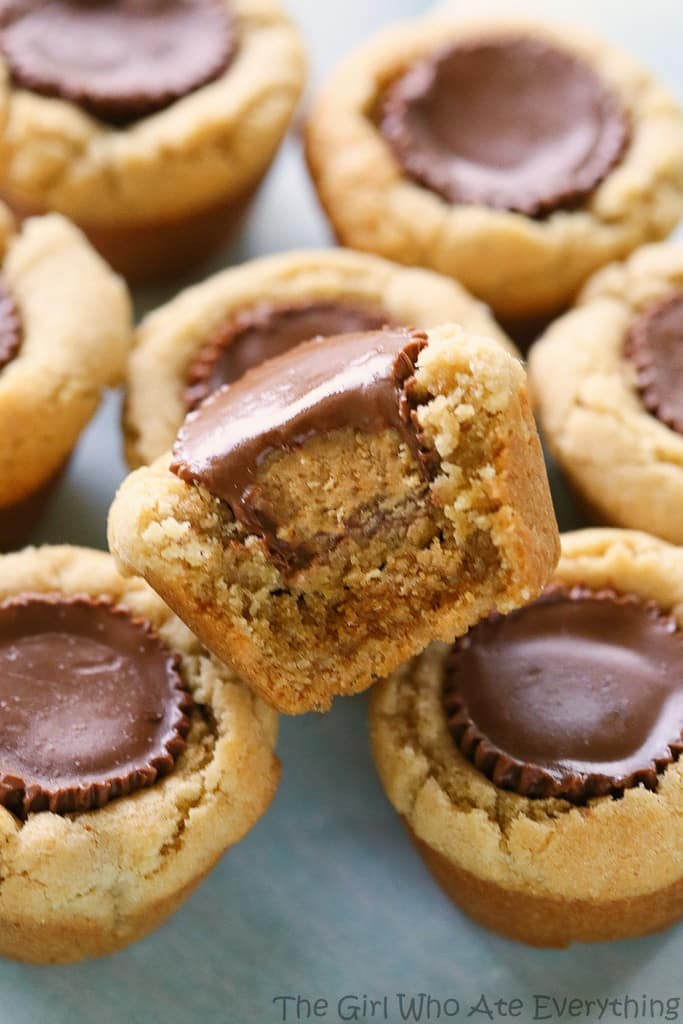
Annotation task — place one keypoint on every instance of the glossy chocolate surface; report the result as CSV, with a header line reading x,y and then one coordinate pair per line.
x,y
655,346
349,380
511,123
91,704
267,330
576,695
118,59
10,325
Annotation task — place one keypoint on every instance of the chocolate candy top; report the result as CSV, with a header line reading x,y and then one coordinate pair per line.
x,y
512,123
655,346
91,704
10,325
349,380
118,59
577,695
267,330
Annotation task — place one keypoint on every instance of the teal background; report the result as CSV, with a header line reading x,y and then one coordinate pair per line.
x,y
326,896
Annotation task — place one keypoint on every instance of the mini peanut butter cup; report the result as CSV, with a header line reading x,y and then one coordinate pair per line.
x,y
510,123
10,325
267,330
92,705
361,381
577,695
655,348
118,59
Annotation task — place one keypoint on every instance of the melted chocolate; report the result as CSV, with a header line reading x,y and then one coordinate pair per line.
x,y
350,380
10,325
655,346
510,123
91,705
577,695
268,330
118,59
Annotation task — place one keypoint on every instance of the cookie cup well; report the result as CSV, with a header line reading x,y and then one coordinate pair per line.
x,y
161,194
82,885
522,267
542,871
169,337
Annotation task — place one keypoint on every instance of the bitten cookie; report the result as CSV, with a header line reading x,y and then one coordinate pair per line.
x,y
608,380
130,758
341,505
420,151
65,332
211,334
535,762
148,125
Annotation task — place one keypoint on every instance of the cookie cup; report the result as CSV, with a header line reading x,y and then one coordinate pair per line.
x,y
616,455
82,885
479,535
525,268
170,337
541,871
76,332
163,193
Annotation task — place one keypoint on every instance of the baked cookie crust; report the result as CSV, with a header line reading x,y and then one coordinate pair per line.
x,y
625,465
76,320
201,158
542,871
82,885
168,338
522,267
481,535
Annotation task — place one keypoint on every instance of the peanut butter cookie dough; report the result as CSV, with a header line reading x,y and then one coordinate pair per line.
x,y
607,379
106,830
341,505
535,762
149,125
65,332
421,152
212,333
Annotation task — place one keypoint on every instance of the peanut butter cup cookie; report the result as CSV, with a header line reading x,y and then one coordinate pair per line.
x,y
210,334
535,761
65,332
149,123
339,506
608,379
130,758
516,157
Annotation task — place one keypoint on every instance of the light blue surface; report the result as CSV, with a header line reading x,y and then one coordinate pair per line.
x,y
326,897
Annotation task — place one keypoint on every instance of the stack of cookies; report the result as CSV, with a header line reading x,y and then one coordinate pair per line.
x,y
336,476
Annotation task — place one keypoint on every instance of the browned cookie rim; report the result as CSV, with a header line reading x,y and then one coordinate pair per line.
x,y
21,799
531,780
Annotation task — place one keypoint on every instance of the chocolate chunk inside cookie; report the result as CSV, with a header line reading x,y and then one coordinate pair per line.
x,y
512,123
577,695
10,325
655,347
118,59
91,704
267,330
